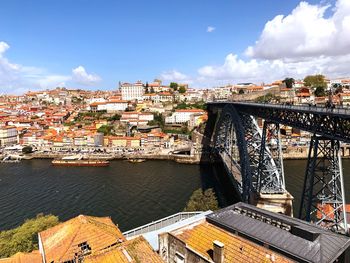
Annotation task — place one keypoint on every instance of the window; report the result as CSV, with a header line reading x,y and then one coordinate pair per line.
x,y
85,248
179,258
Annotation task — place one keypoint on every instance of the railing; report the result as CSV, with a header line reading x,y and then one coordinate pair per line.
x,y
156,225
313,108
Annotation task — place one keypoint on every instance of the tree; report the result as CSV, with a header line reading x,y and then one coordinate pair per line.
x,y
289,82
106,129
174,86
320,92
202,201
25,237
315,81
241,91
115,117
146,88
182,89
27,149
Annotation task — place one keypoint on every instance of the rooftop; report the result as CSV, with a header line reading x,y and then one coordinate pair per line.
x,y
64,241
297,239
200,238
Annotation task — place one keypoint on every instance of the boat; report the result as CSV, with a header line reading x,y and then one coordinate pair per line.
x,y
136,160
77,160
97,163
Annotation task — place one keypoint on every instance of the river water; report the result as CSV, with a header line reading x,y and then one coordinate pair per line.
x,y
132,194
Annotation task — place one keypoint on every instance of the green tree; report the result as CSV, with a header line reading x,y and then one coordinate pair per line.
x,y
27,149
182,89
115,117
174,86
320,92
289,82
25,237
146,88
315,81
202,201
106,129
241,91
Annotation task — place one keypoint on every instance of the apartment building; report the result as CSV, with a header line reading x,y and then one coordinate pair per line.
x,y
8,135
182,116
132,91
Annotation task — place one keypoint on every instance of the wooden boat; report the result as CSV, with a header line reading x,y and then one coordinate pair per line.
x,y
96,163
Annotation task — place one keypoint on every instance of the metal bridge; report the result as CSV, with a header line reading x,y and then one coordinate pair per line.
x,y
253,156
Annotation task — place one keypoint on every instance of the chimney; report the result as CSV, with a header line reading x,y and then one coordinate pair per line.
x,y
218,252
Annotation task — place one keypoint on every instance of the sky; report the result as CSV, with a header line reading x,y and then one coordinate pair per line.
x,y
94,44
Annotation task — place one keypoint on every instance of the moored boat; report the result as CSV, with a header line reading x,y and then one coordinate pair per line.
x,y
136,160
96,163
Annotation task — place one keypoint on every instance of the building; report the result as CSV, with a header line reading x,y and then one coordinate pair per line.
x,y
87,239
245,233
182,116
8,135
132,91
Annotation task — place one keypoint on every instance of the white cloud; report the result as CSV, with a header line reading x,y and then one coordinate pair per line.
x,y
307,41
82,77
16,78
306,32
174,75
210,29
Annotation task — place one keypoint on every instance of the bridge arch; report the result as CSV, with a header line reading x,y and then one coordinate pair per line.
x,y
230,143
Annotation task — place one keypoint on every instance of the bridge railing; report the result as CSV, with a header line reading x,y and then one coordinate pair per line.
x,y
155,225
335,110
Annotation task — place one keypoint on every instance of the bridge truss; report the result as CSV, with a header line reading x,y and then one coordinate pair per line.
x,y
323,198
257,155
243,148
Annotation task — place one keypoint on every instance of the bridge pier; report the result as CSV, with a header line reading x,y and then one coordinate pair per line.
x,y
275,202
323,198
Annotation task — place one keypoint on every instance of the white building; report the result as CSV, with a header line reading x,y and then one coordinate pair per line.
x,y
132,91
8,135
182,116
116,105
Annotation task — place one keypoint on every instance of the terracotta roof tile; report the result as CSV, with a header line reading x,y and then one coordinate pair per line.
x,y
60,243
138,250
200,239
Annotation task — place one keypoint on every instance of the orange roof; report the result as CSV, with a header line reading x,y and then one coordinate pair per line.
x,y
33,257
61,242
328,210
137,249
200,239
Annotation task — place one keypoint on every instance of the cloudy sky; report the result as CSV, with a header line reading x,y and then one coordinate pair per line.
x,y
94,44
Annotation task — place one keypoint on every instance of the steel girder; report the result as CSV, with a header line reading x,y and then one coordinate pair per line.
x,y
242,148
266,175
323,197
271,170
330,123
230,145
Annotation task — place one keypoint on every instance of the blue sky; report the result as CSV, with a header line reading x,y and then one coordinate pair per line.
x,y
111,41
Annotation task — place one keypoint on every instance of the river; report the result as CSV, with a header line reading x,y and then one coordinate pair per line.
x,y
132,194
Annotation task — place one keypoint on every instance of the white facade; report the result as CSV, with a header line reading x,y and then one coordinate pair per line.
x,y
8,135
113,106
182,116
132,91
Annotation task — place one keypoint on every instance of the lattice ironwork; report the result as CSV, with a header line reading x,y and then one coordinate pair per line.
x,y
323,198
266,177
230,146
271,170
238,141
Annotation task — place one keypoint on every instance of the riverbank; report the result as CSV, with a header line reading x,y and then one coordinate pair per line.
x,y
297,154
179,158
